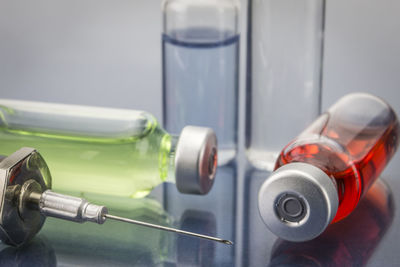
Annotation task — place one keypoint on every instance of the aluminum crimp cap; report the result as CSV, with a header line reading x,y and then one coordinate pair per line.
x,y
298,201
196,160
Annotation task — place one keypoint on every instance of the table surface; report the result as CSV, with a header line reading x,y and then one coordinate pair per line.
x,y
367,237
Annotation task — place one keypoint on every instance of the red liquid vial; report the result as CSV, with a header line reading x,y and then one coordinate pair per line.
x,y
320,176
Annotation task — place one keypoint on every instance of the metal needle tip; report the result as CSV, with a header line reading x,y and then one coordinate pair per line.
x,y
227,242
122,219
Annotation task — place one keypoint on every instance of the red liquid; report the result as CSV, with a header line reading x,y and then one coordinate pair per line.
x,y
353,155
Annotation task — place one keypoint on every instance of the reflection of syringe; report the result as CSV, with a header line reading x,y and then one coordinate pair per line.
x,y
26,200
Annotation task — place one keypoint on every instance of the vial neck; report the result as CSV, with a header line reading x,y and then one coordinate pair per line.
x,y
167,158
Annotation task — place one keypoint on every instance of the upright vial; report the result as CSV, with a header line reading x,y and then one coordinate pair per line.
x,y
200,54
285,41
322,174
122,153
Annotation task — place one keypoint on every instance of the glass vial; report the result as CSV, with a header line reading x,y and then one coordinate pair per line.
x,y
200,53
107,151
284,68
322,174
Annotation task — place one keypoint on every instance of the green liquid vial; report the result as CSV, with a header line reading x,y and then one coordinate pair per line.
x,y
122,153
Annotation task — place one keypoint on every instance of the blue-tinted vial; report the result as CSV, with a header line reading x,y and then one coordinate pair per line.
x,y
200,51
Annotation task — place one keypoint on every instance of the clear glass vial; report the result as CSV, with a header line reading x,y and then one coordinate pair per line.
x,y
284,67
321,176
108,151
200,53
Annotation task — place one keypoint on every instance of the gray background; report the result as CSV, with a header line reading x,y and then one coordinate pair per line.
x,y
108,53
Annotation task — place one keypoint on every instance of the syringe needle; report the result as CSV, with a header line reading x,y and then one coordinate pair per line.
x,y
79,210
117,218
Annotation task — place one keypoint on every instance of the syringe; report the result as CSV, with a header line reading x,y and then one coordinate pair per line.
x,y
26,201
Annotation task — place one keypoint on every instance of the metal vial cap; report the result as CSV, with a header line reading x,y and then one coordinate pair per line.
x,y
298,201
196,160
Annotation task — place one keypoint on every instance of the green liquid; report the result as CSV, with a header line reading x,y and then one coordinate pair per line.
x,y
128,159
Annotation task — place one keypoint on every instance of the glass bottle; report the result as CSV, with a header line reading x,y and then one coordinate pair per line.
x,y
200,53
321,176
284,74
123,153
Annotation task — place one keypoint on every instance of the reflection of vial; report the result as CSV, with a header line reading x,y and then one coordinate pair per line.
x,y
283,74
199,252
107,151
200,68
37,252
321,175
348,243
118,244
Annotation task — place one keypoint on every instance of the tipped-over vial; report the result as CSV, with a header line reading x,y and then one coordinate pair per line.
x,y
109,151
322,174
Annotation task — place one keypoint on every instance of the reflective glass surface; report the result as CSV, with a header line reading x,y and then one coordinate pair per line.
x,y
368,237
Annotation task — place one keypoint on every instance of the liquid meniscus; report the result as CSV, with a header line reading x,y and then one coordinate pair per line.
x,y
200,83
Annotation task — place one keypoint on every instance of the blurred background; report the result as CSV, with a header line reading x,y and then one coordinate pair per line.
x,y
108,53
